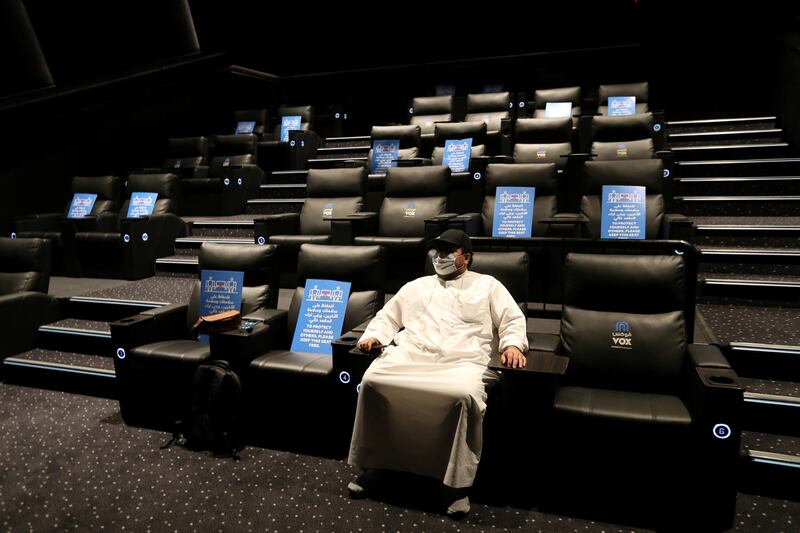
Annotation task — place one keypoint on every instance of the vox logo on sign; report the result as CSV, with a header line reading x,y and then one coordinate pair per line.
x,y
621,337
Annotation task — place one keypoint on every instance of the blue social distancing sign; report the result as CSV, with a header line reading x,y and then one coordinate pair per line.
x,y
142,204
384,155
558,110
289,123
623,212
621,106
513,212
321,315
457,154
81,205
245,127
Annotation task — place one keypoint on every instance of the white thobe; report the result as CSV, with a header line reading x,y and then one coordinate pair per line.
x,y
422,402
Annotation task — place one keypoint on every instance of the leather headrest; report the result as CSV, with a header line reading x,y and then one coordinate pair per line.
x,y
640,90
225,145
460,130
256,261
625,128
543,130
417,181
105,187
305,112
509,268
24,255
363,266
187,147
539,175
336,182
560,94
165,184
478,103
647,173
632,283
407,135
432,105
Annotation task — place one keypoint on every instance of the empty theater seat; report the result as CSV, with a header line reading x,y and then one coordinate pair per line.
x,y
458,131
542,140
112,245
156,354
24,302
426,111
57,228
541,97
619,138
289,394
335,192
293,153
643,419
186,153
257,116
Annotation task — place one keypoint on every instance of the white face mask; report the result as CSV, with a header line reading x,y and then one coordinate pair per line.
x,y
443,265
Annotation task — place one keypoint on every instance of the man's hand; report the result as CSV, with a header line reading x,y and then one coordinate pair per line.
x,y
367,345
513,358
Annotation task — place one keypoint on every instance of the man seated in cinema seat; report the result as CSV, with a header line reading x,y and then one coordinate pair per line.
x,y
422,401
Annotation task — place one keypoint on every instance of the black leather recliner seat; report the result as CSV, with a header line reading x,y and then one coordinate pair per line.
x,y
58,229
560,94
24,302
641,90
542,140
112,245
156,354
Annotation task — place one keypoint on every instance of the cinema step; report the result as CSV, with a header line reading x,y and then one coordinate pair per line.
x,y
240,226
723,136
76,335
755,149
770,465
737,185
62,370
288,176
765,361
751,286
775,166
184,265
742,205
335,162
358,142
722,124
750,260
95,308
767,231
269,206
282,190
771,406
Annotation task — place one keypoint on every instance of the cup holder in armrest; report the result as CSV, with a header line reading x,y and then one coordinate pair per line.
x,y
349,339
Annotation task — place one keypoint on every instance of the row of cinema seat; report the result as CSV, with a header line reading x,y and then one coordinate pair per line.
x,y
416,201
493,108
661,411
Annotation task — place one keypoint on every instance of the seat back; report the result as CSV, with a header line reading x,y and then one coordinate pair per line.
x,y
457,131
409,137
412,195
543,176
261,284
640,90
234,150
646,173
364,267
561,94
509,268
543,140
426,111
107,189
490,108
623,325
259,116
24,265
305,112
331,192
167,186
630,137
186,152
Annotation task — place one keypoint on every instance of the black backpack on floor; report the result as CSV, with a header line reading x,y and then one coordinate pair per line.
x,y
214,422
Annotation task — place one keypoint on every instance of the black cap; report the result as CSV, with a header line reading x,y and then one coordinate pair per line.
x,y
452,237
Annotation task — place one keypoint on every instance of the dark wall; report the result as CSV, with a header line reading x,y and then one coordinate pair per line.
x,y
21,60
788,74
88,40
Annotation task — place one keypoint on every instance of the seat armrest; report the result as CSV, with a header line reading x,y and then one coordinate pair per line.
x,y
21,314
240,346
714,396
469,223
678,227
349,362
537,362
434,226
707,356
279,224
344,230
544,342
160,323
